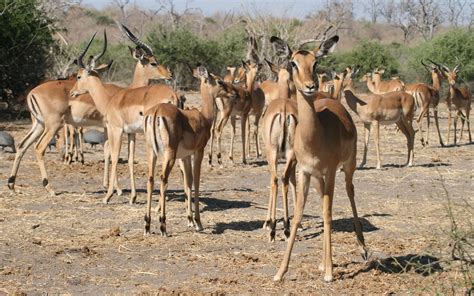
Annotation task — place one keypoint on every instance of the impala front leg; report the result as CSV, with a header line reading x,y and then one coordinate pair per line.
x,y
131,160
367,127
115,136
243,125
198,156
377,139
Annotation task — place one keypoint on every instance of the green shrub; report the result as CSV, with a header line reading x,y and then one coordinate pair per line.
x,y
25,46
451,48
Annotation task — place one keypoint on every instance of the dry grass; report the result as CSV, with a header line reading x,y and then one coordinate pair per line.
x,y
74,244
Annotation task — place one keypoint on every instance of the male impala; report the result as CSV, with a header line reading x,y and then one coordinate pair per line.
x,y
393,107
180,134
384,86
325,139
459,100
51,106
427,96
278,131
123,111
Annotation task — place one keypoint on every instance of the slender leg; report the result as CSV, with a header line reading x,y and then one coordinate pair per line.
x,y
428,125
213,134
349,173
462,126
435,115
131,160
303,186
419,122
247,136
232,137
51,128
81,144
115,137
449,125
456,114
287,175
367,127
243,124
272,157
377,138
198,156
151,161
35,132
255,133
106,163
468,124
186,168
169,158
320,189
327,216
220,128
408,131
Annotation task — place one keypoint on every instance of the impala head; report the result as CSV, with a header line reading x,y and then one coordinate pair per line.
x,y
89,71
147,65
303,62
450,75
366,77
216,85
248,69
282,73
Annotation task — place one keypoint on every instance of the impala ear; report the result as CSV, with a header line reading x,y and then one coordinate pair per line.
x,y
103,67
202,71
246,65
281,47
326,46
275,69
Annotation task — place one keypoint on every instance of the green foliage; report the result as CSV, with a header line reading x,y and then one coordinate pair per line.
x,y
123,66
100,18
452,48
368,55
25,46
176,48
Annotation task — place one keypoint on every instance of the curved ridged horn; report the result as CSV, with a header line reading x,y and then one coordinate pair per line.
x,y
440,65
80,63
97,57
137,41
427,66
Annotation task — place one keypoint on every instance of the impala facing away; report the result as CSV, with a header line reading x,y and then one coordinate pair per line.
x,y
393,107
325,139
179,134
122,111
278,130
384,86
51,106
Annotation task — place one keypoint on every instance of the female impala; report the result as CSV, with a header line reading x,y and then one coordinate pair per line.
x,y
179,134
122,111
325,139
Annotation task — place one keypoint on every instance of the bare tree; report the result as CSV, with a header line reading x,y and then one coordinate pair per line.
x,y
175,16
456,9
122,4
400,15
425,17
373,7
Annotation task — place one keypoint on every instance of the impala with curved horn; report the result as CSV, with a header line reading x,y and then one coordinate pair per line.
x,y
123,111
51,106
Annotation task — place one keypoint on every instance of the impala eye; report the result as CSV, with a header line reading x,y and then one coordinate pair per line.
x,y
293,64
154,64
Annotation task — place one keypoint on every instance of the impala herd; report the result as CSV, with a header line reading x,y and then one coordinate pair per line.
x,y
304,123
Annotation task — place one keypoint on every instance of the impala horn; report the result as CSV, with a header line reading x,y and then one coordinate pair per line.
x,y
97,57
137,41
80,63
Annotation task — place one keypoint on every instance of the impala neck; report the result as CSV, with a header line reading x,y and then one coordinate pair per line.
x,y
337,91
309,125
371,85
99,94
139,77
436,81
208,95
250,79
283,88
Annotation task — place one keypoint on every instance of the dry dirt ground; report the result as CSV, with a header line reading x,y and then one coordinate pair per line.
x,y
74,244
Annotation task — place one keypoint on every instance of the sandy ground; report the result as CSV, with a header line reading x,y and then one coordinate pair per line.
x,y
74,244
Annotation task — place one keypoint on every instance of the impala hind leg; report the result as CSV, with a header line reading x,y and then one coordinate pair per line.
x,y
169,158
468,125
449,125
377,144
243,124
303,186
220,128
367,128
456,114
115,137
270,222
34,133
409,133
462,126
435,115
41,146
198,156
349,169
232,137
151,161
186,168
287,175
